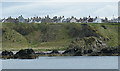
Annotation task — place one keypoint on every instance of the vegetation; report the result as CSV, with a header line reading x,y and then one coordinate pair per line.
x,y
46,37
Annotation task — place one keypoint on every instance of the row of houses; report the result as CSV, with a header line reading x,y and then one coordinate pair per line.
x,y
56,19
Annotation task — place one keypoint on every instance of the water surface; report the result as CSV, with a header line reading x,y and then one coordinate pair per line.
x,y
69,62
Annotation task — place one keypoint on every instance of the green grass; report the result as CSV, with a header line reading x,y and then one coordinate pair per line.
x,y
44,37
12,39
111,33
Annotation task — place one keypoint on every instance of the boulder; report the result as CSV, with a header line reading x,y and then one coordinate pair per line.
x,y
109,51
25,54
7,53
90,51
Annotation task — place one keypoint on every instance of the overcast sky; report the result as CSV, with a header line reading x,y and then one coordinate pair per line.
x,y
77,8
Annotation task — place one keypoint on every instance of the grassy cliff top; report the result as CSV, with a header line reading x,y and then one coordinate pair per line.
x,y
46,37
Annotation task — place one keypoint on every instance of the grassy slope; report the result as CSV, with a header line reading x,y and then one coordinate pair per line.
x,y
51,36
12,40
111,33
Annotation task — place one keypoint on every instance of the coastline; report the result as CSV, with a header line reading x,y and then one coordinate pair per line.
x,y
37,54
14,52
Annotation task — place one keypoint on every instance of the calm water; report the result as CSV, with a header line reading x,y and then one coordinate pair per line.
x,y
80,62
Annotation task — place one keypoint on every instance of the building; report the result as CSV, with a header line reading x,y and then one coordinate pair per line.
x,y
29,20
21,19
94,20
37,19
97,20
89,20
55,19
73,20
9,20
62,20
84,20
2,20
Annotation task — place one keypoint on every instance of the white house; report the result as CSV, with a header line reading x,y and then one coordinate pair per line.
x,y
37,21
94,20
2,20
62,20
30,20
21,19
97,20
84,20
73,20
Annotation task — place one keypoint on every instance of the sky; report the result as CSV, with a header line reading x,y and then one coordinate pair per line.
x,y
76,8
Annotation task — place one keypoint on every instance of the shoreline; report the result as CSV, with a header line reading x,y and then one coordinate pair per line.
x,y
31,54
37,52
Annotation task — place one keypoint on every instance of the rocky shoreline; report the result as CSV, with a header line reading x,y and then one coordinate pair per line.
x,y
30,54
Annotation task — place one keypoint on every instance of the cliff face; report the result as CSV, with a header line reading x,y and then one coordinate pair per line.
x,y
58,36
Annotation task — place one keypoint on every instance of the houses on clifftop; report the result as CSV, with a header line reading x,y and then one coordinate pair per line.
x,y
57,19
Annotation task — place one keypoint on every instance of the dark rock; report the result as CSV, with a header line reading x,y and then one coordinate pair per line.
x,y
106,50
7,53
109,51
25,54
85,52
90,51
115,50
78,53
104,26
88,46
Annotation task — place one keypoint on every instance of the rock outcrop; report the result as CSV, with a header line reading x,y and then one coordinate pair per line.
x,y
7,53
25,54
86,46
